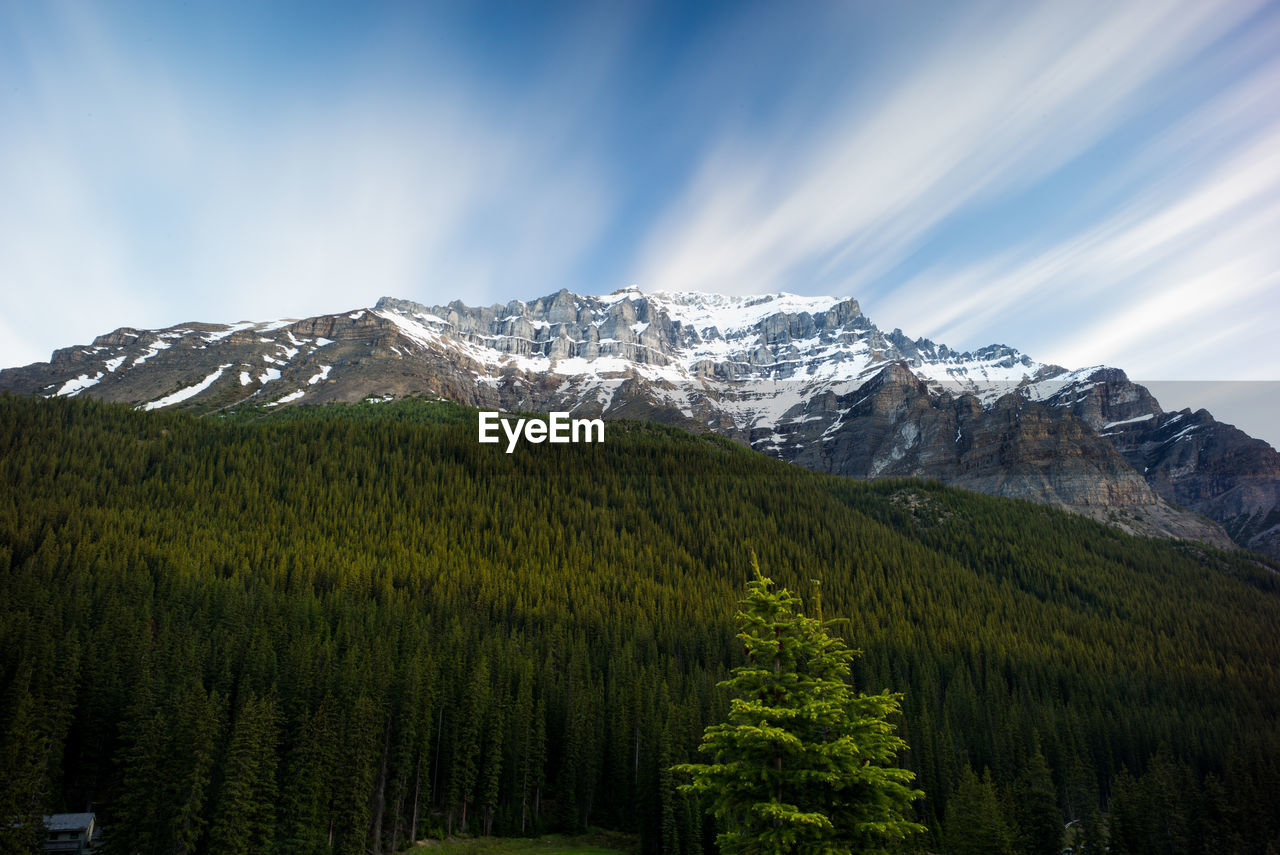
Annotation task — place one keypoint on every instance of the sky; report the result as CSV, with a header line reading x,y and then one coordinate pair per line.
x,y
1090,182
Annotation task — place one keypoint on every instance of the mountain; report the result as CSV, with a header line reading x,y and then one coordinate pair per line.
x,y
807,379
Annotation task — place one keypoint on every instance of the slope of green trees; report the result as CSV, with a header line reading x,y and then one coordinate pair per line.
x,y
336,630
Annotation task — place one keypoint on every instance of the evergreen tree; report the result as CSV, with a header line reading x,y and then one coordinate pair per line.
x,y
976,823
244,820
801,766
21,784
306,826
1129,827
1036,809
1219,820
492,768
189,767
467,757
524,733
1092,840
667,790
1169,793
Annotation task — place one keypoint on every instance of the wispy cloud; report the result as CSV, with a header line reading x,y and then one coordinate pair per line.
x,y
138,193
1153,286
1087,181
989,111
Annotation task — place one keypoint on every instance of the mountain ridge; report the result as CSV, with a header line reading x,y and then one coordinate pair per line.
x,y
811,380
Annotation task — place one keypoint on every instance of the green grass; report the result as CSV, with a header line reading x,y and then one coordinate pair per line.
x,y
593,842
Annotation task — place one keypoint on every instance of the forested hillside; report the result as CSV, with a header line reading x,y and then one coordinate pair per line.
x,y
338,629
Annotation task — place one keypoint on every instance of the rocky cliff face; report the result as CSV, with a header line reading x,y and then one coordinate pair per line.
x,y
893,426
808,379
896,426
1187,457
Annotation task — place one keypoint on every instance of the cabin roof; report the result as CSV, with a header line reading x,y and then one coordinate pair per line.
x,y
68,821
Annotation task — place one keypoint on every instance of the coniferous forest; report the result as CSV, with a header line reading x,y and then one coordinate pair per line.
x,y
338,630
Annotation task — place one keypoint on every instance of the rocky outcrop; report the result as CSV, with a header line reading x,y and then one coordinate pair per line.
x,y
1188,458
895,426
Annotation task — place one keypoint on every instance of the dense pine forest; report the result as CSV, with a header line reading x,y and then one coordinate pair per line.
x,y
338,630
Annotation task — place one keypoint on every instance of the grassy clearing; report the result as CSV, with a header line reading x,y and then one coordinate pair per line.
x,y
594,842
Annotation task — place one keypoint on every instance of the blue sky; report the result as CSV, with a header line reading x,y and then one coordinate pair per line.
x,y
1088,182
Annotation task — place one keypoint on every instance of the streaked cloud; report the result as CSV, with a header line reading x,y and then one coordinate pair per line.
x,y
1152,287
135,195
991,109
1090,182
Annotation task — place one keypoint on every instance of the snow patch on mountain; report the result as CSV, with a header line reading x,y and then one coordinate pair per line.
x,y
276,325
1134,420
156,346
292,396
219,335
76,385
189,392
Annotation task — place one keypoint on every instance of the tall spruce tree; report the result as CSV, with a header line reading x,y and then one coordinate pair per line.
x,y
802,764
244,817
1039,819
976,822
22,750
